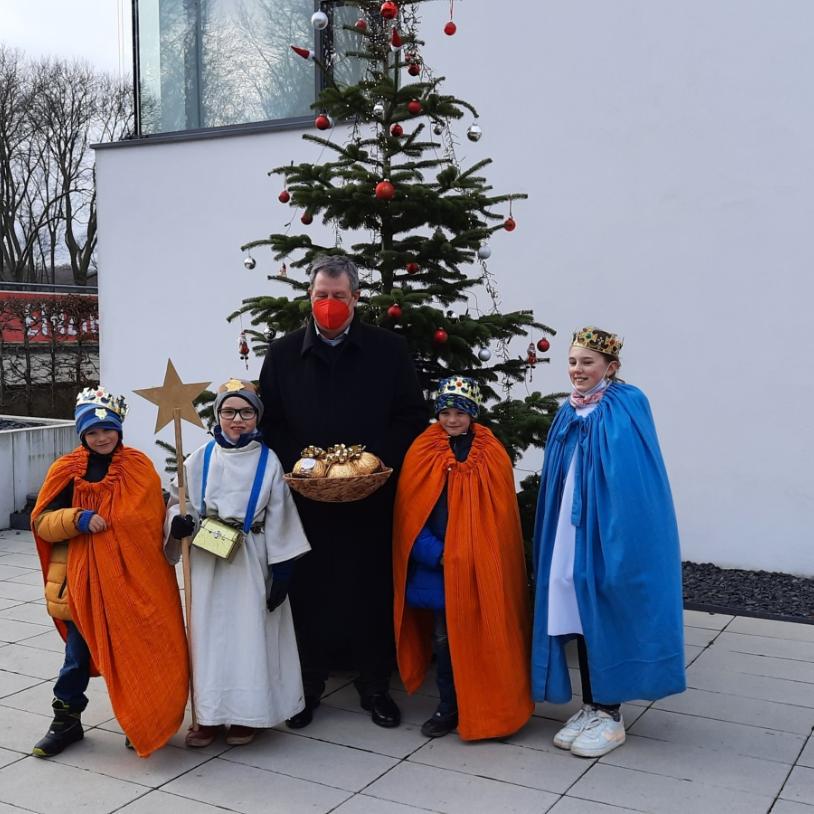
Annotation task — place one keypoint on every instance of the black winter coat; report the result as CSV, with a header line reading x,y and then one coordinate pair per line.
x,y
363,391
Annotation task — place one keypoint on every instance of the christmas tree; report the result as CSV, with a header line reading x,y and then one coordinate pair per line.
x,y
419,222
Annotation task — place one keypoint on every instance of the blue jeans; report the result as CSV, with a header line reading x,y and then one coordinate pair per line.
x,y
75,673
443,666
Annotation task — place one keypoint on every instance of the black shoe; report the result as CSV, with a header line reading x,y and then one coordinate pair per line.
x,y
302,719
439,725
128,744
65,729
382,708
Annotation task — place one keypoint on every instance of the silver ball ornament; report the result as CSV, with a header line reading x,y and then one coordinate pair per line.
x,y
319,19
378,110
484,251
249,262
438,129
474,132
484,354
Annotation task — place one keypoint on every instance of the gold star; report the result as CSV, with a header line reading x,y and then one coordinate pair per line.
x,y
174,395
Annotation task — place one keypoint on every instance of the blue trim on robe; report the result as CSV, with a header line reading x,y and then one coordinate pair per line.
x,y
627,563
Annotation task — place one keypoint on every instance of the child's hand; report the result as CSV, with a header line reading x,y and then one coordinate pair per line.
x,y
96,524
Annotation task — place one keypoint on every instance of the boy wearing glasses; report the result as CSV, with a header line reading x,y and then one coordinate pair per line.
x,y
244,653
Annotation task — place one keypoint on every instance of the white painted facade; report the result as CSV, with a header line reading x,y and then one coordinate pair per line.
x,y
667,150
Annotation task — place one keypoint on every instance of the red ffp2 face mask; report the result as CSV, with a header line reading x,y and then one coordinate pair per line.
x,y
330,313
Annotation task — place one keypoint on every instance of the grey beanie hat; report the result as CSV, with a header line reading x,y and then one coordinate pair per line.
x,y
242,389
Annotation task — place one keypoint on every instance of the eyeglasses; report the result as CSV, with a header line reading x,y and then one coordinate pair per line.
x,y
245,413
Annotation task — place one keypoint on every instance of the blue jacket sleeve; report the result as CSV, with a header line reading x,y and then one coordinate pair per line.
x,y
427,549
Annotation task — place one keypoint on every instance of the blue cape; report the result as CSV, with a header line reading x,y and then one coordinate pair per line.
x,y
627,563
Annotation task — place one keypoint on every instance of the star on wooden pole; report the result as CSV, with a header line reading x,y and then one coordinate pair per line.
x,y
174,395
175,402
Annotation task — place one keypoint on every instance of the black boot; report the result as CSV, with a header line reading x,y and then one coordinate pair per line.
x,y
441,723
65,729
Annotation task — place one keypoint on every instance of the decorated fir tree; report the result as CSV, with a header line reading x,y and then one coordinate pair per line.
x,y
415,222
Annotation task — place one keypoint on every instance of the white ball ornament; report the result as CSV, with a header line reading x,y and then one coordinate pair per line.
x,y
249,262
484,354
319,19
378,110
484,251
474,132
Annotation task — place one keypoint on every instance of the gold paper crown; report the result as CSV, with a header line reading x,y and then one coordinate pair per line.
x,y
596,339
103,399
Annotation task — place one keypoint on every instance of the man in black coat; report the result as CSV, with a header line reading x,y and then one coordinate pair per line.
x,y
339,380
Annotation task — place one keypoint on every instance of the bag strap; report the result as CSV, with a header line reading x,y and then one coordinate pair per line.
x,y
255,493
207,458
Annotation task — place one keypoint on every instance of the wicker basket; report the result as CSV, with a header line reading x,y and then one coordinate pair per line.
x,y
338,490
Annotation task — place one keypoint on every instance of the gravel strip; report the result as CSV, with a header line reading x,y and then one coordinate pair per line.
x,y
763,594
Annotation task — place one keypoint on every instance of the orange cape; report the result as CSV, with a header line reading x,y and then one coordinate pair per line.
x,y
486,591
123,595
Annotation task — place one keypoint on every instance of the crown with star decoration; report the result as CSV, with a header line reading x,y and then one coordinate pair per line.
x,y
460,392
596,339
103,400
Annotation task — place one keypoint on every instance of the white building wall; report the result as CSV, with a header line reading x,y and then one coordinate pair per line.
x,y
667,151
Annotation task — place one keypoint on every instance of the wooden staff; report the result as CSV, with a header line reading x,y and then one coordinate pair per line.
x,y
185,552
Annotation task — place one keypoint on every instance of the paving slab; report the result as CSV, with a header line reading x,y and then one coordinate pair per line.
x,y
553,771
713,621
415,708
45,786
254,791
308,759
38,699
12,631
27,612
363,804
799,787
772,628
29,661
357,730
796,649
723,707
700,636
12,683
713,678
807,756
20,592
736,739
788,807
13,572
708,766
20,730
105,753
571,805
43,639
159,802
456,793
26,577
28,559
8,603
8,756
642,791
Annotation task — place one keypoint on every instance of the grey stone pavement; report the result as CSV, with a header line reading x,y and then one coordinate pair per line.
x,y
738,740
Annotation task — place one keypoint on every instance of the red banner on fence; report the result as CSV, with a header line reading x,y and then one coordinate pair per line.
x,y
45,317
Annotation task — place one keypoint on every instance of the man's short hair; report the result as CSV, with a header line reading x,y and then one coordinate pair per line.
x,y
334,265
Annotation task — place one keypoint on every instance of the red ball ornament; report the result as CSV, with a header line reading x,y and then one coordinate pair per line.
x,y
389,10
414,69
450,28
322,122
440,336
395,39
413,267
509,224
414,107
396,130
284,196
307,218
543,345
361,24
385,191
394,311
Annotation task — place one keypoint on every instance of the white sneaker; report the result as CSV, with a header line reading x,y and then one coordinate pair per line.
x,y
600,735
573,727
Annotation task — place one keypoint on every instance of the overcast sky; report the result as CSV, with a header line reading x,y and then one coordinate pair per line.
x,y
95,30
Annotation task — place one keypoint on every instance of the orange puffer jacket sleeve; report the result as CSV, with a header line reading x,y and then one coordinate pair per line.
x,y
58,525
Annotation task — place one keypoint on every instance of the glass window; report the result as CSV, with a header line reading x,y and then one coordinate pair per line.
x,y
210,63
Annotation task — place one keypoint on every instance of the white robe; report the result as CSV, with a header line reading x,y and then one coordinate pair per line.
x,y
563,611
246,667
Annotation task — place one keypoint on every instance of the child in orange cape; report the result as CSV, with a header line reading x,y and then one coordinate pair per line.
x,y
459,573
98,524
